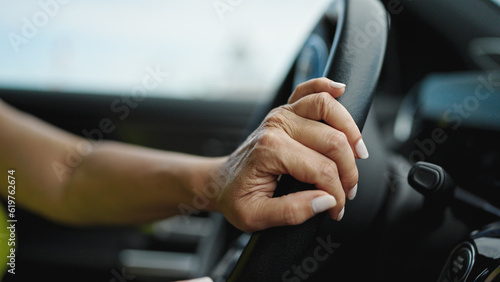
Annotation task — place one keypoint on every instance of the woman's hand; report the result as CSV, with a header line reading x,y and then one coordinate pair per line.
x,y
293,140
136,184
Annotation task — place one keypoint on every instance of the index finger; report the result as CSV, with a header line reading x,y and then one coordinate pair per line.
x,y
317,85
323,107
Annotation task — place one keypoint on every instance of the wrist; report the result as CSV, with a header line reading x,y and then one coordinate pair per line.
x,y
204,182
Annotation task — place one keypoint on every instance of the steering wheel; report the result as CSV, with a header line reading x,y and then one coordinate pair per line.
x,y
355,59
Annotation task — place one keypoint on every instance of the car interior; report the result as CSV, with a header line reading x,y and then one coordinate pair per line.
x,y
423,82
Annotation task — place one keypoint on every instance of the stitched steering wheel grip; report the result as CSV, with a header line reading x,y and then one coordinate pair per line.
x,y
355,58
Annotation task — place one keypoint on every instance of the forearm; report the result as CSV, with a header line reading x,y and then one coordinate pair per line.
x,y
114,183
61,177
122,184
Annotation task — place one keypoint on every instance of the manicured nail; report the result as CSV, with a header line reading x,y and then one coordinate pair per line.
x,y
279,178
352,193
361,149
323,203
202,279
337,85
341,214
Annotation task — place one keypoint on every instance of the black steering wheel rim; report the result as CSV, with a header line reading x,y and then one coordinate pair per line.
x,y
272,253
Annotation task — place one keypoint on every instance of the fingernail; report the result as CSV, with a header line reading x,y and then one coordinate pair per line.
x,y
337,85
202,279
352,193
341,214
323,203
279,178
361,149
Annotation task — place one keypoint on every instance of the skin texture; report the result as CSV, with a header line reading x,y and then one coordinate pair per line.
x,y
114,183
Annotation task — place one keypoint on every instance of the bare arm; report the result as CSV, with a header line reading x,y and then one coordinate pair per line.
x,y
65,178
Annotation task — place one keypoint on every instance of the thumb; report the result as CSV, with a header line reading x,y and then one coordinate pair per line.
x,y
292,209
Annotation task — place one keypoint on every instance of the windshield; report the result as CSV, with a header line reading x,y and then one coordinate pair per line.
x,y
225,49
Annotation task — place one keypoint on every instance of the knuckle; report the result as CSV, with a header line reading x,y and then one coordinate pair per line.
x,y
336,140
276,118
263,153
350,178
325,98
353,176
291,214
324,102
267,139
340,202
282,119
329,172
